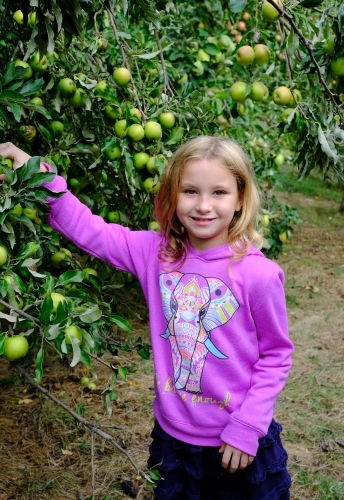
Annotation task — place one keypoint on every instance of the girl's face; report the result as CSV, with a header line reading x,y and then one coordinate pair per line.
x,y
208,199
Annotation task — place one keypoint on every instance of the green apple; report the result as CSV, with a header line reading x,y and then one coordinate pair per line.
x,y
183,79
59,259
78,99
84,380
67,87
112,111
135,112
154,226
167,119
16,210
102,86
37,101
245,55
282,96
259,92
31,19
329,45
3,256
122,76
120,128
295,98
238,91
265,220
38,63
269,12
30,213
140,160
283,237
24,64
89,271
73,331
92,386
27,133
136,132
113,153
337,66
202,56
67,252
18,17
150,187
225,43
153,130
5,162
57,298
73,183
114,216
151,166
197,68
15,347
279,160
57,127
262,53
102,44
285,114
242,109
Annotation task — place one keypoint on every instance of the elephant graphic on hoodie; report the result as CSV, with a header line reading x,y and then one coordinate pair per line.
x,y
193,306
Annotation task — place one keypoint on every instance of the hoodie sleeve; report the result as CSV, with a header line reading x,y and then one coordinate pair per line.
x,y
269,374
124,249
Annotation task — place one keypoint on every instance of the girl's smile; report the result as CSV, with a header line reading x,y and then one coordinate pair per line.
x,y
208,200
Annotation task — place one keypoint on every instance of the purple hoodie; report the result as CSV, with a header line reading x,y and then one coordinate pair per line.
x,y
219,335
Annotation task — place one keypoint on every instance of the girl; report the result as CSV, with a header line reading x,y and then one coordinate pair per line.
x,y
217,317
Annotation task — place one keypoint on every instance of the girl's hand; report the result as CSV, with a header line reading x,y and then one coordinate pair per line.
x,y
19,157
234,458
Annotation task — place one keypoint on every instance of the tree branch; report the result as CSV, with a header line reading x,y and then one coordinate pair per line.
x,y
94,428
307,43
124,57
167,84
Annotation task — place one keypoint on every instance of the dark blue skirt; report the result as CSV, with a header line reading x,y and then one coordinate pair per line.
x,y
192,472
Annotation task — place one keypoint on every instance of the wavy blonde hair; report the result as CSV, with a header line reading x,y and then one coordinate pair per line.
x,y
243,229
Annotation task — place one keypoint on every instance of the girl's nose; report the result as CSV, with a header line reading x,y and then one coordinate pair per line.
x,y
204,205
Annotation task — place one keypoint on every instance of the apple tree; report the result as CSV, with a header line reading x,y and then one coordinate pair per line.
x,y
105,91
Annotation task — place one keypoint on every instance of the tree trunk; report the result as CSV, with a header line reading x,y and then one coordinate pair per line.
x,y
341,207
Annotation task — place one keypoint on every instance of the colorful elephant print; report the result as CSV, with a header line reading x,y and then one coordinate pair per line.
x,y
193,306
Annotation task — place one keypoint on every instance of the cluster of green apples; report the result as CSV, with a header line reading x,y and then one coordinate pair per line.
x,y
75,96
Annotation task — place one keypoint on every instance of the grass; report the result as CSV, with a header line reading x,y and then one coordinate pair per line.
x,y
313,186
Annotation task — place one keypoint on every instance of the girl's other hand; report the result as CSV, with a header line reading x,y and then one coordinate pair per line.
x,y
233,458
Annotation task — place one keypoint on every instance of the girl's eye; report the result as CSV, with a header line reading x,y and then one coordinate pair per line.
x,y
219,192
189,191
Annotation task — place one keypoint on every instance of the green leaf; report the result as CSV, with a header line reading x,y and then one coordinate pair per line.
x,y
38,179
75,276
293,43
31,167
16,110
91,315
175,136
46,309
9,73
76,351
28,250
121,322
155,475
237,6
149,56
123,372
31,87
211,49
11,95
39,365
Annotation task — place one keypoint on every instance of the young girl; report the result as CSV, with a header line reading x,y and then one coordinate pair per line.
x,y
217,318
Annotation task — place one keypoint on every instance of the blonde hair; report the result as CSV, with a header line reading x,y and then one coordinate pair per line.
x,y
243,229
